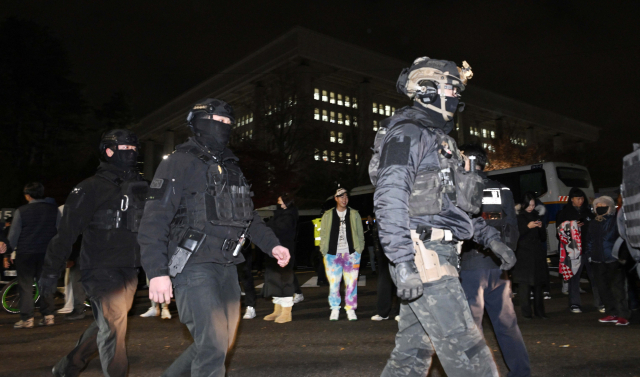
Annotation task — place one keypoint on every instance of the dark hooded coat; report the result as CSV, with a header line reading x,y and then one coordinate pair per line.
x,y
531,267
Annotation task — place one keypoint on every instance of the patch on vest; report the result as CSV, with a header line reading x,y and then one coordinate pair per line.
x,y
491,196
156,183
76,190
396,152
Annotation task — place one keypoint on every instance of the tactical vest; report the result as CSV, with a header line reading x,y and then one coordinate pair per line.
x,y
630,191
125,211
226,200
494,215
434,179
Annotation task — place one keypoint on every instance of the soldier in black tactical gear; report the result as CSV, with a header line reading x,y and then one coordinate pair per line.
x,y
198,213
424,200
485,284
106,209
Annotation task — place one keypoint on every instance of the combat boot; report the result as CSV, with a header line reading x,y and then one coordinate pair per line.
x,y
277,309
285,315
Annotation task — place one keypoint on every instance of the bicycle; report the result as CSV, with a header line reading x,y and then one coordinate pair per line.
x,y
10,295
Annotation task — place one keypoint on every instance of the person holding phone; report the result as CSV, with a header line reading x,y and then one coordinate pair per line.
x,y
530,269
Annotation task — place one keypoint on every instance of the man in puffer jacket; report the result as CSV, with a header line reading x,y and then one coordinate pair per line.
x,y
608,271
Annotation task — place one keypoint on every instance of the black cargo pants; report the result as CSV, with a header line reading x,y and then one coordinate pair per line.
x,y
111,293
208,299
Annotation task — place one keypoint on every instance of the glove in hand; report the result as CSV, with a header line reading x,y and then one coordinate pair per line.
x,y
408,281
505,254
48,284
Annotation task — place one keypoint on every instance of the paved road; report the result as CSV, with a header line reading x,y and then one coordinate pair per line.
x,y
565,345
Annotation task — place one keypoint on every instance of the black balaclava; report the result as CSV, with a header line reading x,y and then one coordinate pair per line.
x,y
124,159
208,132
438,120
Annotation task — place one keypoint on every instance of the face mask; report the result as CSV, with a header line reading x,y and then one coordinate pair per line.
x,y
124,159
601,211
436,117
211,133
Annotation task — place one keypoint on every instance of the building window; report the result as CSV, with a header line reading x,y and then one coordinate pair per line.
x,y
340,118
340,139
316,94
355,103
332,137
316,155
380,109
375,125
387,110
333,156
493,134
348,159
340,158
393,110
250,117
347,122
324,96
250,134
325,118
355,121
339,99
332,117
332,98
325,157
316,114
346,101
375,108
484,132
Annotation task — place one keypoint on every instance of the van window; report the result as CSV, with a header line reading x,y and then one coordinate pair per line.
x,y
522,181
572,177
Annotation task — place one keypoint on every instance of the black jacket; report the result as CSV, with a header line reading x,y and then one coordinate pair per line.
x,y
475,257
531,265
181,175
283,224
410,147
602,236
571,213
115,248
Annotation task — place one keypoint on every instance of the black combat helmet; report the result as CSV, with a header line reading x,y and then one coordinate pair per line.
x,y
210,106
209,132
125,159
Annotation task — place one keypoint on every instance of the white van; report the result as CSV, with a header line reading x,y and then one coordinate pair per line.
x,y
551,182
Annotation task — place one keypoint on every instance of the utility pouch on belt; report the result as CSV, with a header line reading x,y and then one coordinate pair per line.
x,y
189,244
427,260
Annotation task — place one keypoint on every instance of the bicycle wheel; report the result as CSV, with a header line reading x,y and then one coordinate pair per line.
x,y
11,296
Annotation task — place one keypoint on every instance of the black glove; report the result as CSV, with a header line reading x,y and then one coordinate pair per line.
x,y
505,254
48,284
408,281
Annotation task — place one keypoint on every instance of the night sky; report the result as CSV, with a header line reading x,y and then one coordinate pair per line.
x,y
577,58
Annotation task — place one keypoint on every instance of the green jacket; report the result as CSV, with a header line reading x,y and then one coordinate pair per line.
x,y
356,231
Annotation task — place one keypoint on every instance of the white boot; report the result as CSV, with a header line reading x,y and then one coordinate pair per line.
x,y
166,314
152,312
250,313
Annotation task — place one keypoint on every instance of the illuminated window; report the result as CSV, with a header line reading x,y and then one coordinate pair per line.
x,y
346,101
380,109
355,103
332,98
250,117
340,99
340,157
325,118
332,137
269,110
393,110
316,155
340,118
347,122
316,114
324,96
387,110
355,121
332,117
316,94
375,125
325,157
250,134
484,132
348,158
340,139
333,156
493,134
375,108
